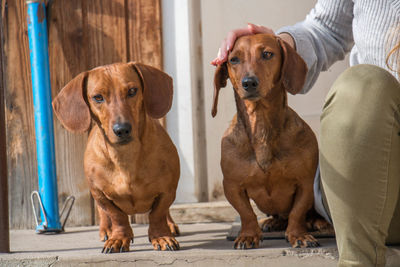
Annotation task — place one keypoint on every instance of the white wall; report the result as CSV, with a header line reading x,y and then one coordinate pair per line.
x,y
220,16
185,122
176,63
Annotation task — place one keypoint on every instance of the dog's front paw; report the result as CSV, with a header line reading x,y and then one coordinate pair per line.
x,y
174,228
117,243
165,243
104,234
247,242
302,241
320,224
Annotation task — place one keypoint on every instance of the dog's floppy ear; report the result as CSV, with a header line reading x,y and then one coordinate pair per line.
x,y
157,89
220,77
70,106
294,69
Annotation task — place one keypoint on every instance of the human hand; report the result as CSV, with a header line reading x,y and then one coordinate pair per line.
x,y
229,41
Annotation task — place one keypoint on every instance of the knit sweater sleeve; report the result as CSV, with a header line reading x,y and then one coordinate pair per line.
x,y
324,37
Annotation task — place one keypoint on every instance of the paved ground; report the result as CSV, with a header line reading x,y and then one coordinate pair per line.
x,y
202,244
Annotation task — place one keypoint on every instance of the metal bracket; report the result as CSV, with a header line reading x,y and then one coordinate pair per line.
x,y
70,200
36,193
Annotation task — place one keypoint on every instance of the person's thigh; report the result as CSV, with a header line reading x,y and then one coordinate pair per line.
x,y
393,237
359,159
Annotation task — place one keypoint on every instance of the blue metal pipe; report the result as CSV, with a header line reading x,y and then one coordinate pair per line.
x,y
40,74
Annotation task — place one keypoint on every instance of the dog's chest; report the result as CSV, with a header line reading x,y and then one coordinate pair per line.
x,y
271,194
130,194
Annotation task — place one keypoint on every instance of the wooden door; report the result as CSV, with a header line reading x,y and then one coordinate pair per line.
x,y
82,34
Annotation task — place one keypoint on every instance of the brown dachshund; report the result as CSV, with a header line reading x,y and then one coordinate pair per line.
x,y
269,154
130,162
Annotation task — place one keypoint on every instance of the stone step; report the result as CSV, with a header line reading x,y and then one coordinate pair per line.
x,y
202,244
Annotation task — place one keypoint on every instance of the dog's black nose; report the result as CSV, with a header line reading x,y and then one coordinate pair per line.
x,y
122,130
250,83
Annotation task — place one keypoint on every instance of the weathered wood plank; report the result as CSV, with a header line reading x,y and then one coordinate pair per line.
x,y
21,153
104,28
144,31
4,226
67,59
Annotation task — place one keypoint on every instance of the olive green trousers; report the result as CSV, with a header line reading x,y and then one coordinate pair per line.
x,y
360,163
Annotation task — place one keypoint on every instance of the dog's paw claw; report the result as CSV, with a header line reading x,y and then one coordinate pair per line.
x,y
247,242
174,229
311,244
305,241
113,245
165,243
103,237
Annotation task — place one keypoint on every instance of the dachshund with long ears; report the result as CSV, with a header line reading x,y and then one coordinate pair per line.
x,y
269,154
130,162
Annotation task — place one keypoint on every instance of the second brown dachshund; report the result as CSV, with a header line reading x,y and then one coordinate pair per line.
x,y
268,154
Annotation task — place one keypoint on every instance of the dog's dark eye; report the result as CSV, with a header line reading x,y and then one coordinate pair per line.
x,y
234,60
132,92
267,55
98,98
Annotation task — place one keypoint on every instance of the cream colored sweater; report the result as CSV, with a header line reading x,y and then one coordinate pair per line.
x,y
367,28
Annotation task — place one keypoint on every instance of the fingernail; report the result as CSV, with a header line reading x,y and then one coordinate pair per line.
x,y
227,48
219,53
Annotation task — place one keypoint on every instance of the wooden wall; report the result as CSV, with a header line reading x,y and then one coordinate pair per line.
x,y
4,226
82,34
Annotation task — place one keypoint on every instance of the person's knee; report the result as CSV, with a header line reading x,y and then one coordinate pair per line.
x,y
362,92
366,85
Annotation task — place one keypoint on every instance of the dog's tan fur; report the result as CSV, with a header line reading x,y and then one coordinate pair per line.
x,y
138,173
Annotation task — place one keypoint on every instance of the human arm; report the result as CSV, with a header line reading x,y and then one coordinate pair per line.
x,y
324,37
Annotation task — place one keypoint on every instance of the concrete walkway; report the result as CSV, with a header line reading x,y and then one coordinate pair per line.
x,y
202,244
